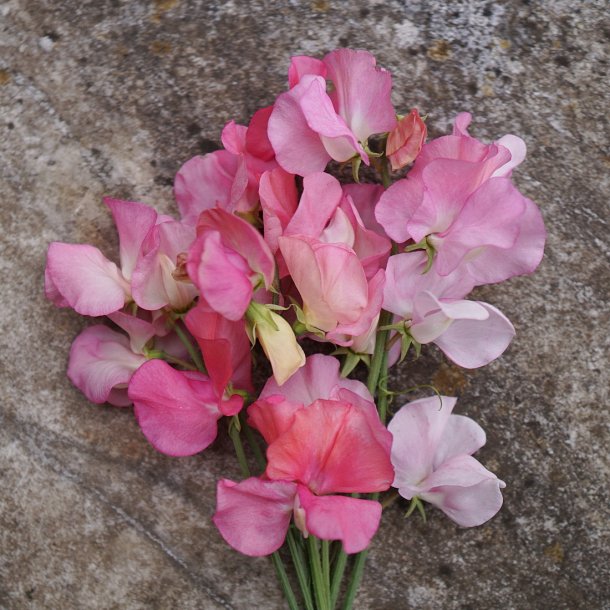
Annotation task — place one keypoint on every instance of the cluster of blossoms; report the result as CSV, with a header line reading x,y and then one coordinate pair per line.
x,y
270,249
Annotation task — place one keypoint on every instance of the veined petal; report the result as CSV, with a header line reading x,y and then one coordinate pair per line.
x,y
80,276
176,410
101,360
352,521
253,516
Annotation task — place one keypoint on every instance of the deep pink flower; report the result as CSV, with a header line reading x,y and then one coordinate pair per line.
x,y
177,411
470,333
327,447
432,456
459,197
308,126
227,178
228,261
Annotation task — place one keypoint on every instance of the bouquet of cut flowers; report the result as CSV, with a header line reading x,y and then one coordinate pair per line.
x,y
271,251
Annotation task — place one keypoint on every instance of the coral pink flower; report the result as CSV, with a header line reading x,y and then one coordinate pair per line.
x,y
327,447
470,333
177,411
308,126
432,456
459,197
406,140
228,261
228,178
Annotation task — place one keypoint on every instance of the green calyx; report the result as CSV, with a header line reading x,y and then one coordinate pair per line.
x,y
426,245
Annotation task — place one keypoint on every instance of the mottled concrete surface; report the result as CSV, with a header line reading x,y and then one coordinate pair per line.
x,y
110,97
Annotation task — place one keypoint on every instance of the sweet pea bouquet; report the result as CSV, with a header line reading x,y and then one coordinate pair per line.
x,y
271,251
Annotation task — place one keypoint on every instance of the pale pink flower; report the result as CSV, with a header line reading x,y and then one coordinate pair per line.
x,y
459,197
432,457
310,126
470,333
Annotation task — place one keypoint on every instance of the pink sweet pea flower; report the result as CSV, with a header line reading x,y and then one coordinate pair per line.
x,y
432,457
79,276
102,361
459,198
177,411
228,261
406,140
227,178
308,126
327,447
470,333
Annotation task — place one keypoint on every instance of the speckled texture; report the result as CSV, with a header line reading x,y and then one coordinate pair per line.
x,y
111,97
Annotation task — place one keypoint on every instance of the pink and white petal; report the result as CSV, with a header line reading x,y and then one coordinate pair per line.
x,y
133,222
464,490
203,182
253,516
176,410
101,361
472,343
462,436
352,521
300,65
468,506
517,149
361,92
287,125
494,264
272,416
321,196
417,429
396,208
330,447
83,278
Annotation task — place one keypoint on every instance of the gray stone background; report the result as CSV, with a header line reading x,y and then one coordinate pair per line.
x,y
111,97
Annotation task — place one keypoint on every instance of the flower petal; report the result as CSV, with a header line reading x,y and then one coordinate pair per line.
x,y
80,276
350,520
176,410
253,516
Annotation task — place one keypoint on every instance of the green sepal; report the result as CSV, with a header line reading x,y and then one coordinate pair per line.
x,y
356,163
416,503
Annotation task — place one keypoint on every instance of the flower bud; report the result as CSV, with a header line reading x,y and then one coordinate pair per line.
x,y
405,140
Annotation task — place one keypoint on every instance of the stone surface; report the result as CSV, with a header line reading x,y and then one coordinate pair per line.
x,y
110,98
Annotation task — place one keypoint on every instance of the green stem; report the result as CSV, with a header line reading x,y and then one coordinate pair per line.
x,y
256,449
321,592
183,363
324,544
338,572
283,578
300,565
379,355
386,179
239,449
192,352
354,582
